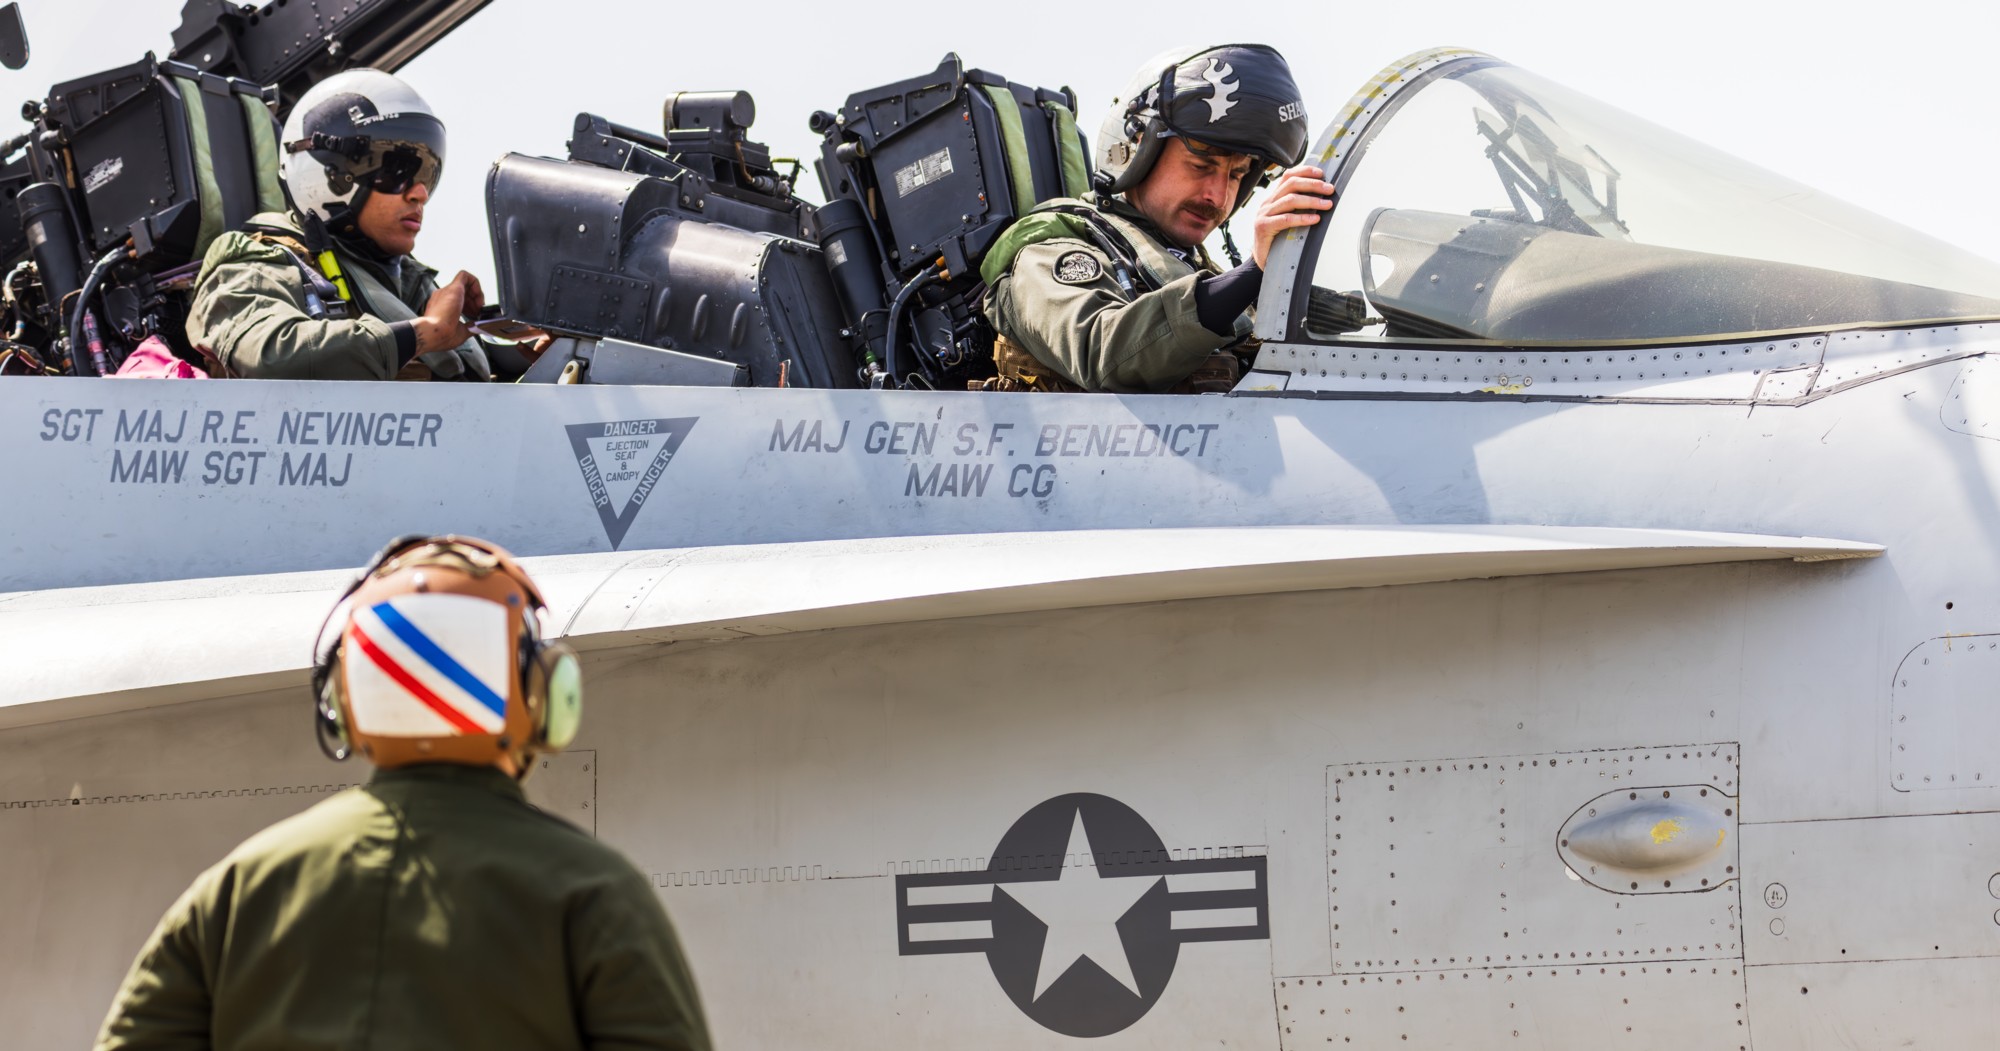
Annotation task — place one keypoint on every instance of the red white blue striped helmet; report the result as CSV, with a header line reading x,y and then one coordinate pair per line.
x,y
440,658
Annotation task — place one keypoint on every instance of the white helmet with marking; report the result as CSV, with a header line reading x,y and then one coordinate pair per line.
x,y
355,133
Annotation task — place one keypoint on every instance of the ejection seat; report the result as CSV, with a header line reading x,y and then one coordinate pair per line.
x,y
683,257
214,165
921,178
167,158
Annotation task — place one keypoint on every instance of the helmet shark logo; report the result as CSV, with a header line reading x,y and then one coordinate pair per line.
x,y
621,461
1220,103
1082,912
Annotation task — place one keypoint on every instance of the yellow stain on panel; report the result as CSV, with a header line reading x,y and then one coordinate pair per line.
x,y
1667,830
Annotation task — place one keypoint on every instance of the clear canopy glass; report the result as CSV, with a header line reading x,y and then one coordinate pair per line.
x,y
1491,204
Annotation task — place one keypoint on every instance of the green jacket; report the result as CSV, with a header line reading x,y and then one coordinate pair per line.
x,y
250,313
1076,319
431,908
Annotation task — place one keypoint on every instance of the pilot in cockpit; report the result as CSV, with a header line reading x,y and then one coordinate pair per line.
x,y
1114,292
330,290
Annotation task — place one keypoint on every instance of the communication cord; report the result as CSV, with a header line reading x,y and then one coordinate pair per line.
x,y
896,321
76,329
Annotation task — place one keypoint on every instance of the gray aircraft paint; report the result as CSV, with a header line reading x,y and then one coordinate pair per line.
x,y
737,770
1404,761
231,464
777,789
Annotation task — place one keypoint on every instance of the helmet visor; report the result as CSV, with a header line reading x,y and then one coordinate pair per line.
x,y
400,165
389,154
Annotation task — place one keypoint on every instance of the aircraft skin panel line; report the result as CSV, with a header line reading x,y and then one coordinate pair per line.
x,y
1773,371
610,600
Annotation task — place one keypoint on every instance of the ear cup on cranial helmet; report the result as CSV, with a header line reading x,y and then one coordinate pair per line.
x,y
555,691
329,727
329,696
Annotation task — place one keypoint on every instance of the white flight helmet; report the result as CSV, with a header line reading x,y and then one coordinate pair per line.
x,y
354,133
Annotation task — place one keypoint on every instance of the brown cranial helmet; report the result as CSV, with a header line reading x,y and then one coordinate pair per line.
x,y
439,658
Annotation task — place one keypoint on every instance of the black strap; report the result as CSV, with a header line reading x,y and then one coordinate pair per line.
x,y
319,290
1124,257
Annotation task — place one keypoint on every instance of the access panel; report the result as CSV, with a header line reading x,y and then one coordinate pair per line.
x,y
1567,900
1448,862
1674,1005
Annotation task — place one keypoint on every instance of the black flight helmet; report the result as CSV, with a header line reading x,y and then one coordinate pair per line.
x,y
1238,98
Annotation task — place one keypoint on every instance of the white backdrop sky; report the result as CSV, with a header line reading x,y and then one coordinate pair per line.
x,y
1890,106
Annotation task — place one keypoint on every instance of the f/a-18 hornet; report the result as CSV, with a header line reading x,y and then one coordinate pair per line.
x,y
1579,628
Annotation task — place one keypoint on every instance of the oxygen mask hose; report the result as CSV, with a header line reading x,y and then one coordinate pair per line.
x,y
13,299
1229,246
82,327
896,320
94,342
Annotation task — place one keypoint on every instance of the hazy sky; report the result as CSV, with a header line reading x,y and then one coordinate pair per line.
x,y
1873,104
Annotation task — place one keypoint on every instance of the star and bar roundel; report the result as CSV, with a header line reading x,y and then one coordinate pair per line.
x,y
1082,912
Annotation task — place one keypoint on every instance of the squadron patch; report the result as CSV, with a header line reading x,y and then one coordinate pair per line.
x,y
1078,268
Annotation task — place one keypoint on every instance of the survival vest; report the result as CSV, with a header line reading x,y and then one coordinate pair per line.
x,y
1138,262
328,296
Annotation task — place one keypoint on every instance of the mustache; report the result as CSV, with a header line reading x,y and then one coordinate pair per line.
x,y
1204,212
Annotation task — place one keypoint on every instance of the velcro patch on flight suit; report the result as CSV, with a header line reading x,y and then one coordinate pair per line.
x,y
1078,268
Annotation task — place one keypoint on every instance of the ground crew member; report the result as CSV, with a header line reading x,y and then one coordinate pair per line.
x,y
432,907
1114,292
330,291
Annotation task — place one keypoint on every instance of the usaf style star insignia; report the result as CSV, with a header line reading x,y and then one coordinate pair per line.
x,y
1078,268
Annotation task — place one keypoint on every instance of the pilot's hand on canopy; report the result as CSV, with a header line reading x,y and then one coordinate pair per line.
x,y
1297,199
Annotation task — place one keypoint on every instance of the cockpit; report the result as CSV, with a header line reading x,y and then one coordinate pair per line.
x,y
1480,202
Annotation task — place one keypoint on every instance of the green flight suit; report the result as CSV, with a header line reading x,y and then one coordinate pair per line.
x,y
250,313
431,908
1076,319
